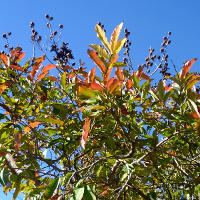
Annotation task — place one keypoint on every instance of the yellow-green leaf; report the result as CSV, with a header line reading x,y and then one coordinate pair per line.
x,y
100,50
102,36
119,45
115,36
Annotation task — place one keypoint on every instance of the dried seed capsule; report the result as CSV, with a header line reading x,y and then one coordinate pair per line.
x,y
60,26
169,41
169,33
161,50
48,25
4,35
9,33
47,16
32,24
165,38
158,57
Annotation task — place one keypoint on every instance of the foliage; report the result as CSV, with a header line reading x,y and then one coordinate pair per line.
x,y
76,135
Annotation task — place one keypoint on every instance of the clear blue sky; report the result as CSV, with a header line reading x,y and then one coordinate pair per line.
x,y
148,21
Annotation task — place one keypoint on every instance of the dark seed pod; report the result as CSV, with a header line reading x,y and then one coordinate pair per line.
x,y
47,16
169,41
60,26
161,50
9,33
4,35
169,33
48,25
32,24
165,38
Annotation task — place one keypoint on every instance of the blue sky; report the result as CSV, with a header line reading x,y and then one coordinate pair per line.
x,y
147,20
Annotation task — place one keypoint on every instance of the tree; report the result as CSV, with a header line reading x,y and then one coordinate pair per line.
x,y
78,135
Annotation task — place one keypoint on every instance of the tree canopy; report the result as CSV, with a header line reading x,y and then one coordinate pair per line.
x,y
116,133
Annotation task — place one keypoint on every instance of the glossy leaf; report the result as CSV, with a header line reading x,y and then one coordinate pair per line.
x,y
95,86
100,50
186,67
4,176
51,120
115,36
16,67
101,35
119,45
88,193
51,188
78,194
91,75
5,59
2,88
48,67
119,74
86,128
96,60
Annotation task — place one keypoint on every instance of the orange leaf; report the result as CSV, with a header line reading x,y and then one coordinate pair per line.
x,y
119,74
86,128
30,126
114,85
53,78
144,76
48,67
109,83
92,54
95,86
129,84
16,67
41,76
2,88
113,61
36,66
18,141
4,58
91,74
107,75
186,67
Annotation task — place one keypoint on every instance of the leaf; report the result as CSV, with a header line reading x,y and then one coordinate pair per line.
x,y
113,85
51,188
119,64
113,61
119,46
91,74
115,36
31,126
85,92
41,76
86,128
101,35
4,58
107,75
129,84
186,67
52,78
92,54
48,67
95,86
4,176
36,66
88,193
100,50
16,67
63,80
119,74
192,82
18,137
195,114
78,194
2,88
51,120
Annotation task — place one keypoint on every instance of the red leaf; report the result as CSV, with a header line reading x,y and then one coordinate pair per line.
x,y
18,141
91,74
86,128
115,86
107,75
119,74
53,78
186,67
109,83
4,58
92,54
36,66
95,86
30,126
48,67
16,67
41,76
129,84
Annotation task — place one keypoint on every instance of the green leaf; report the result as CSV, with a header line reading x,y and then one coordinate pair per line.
x,y
161,90
101,35
78,194
50,120
51,188
100,50
88,193
119,64
4,176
